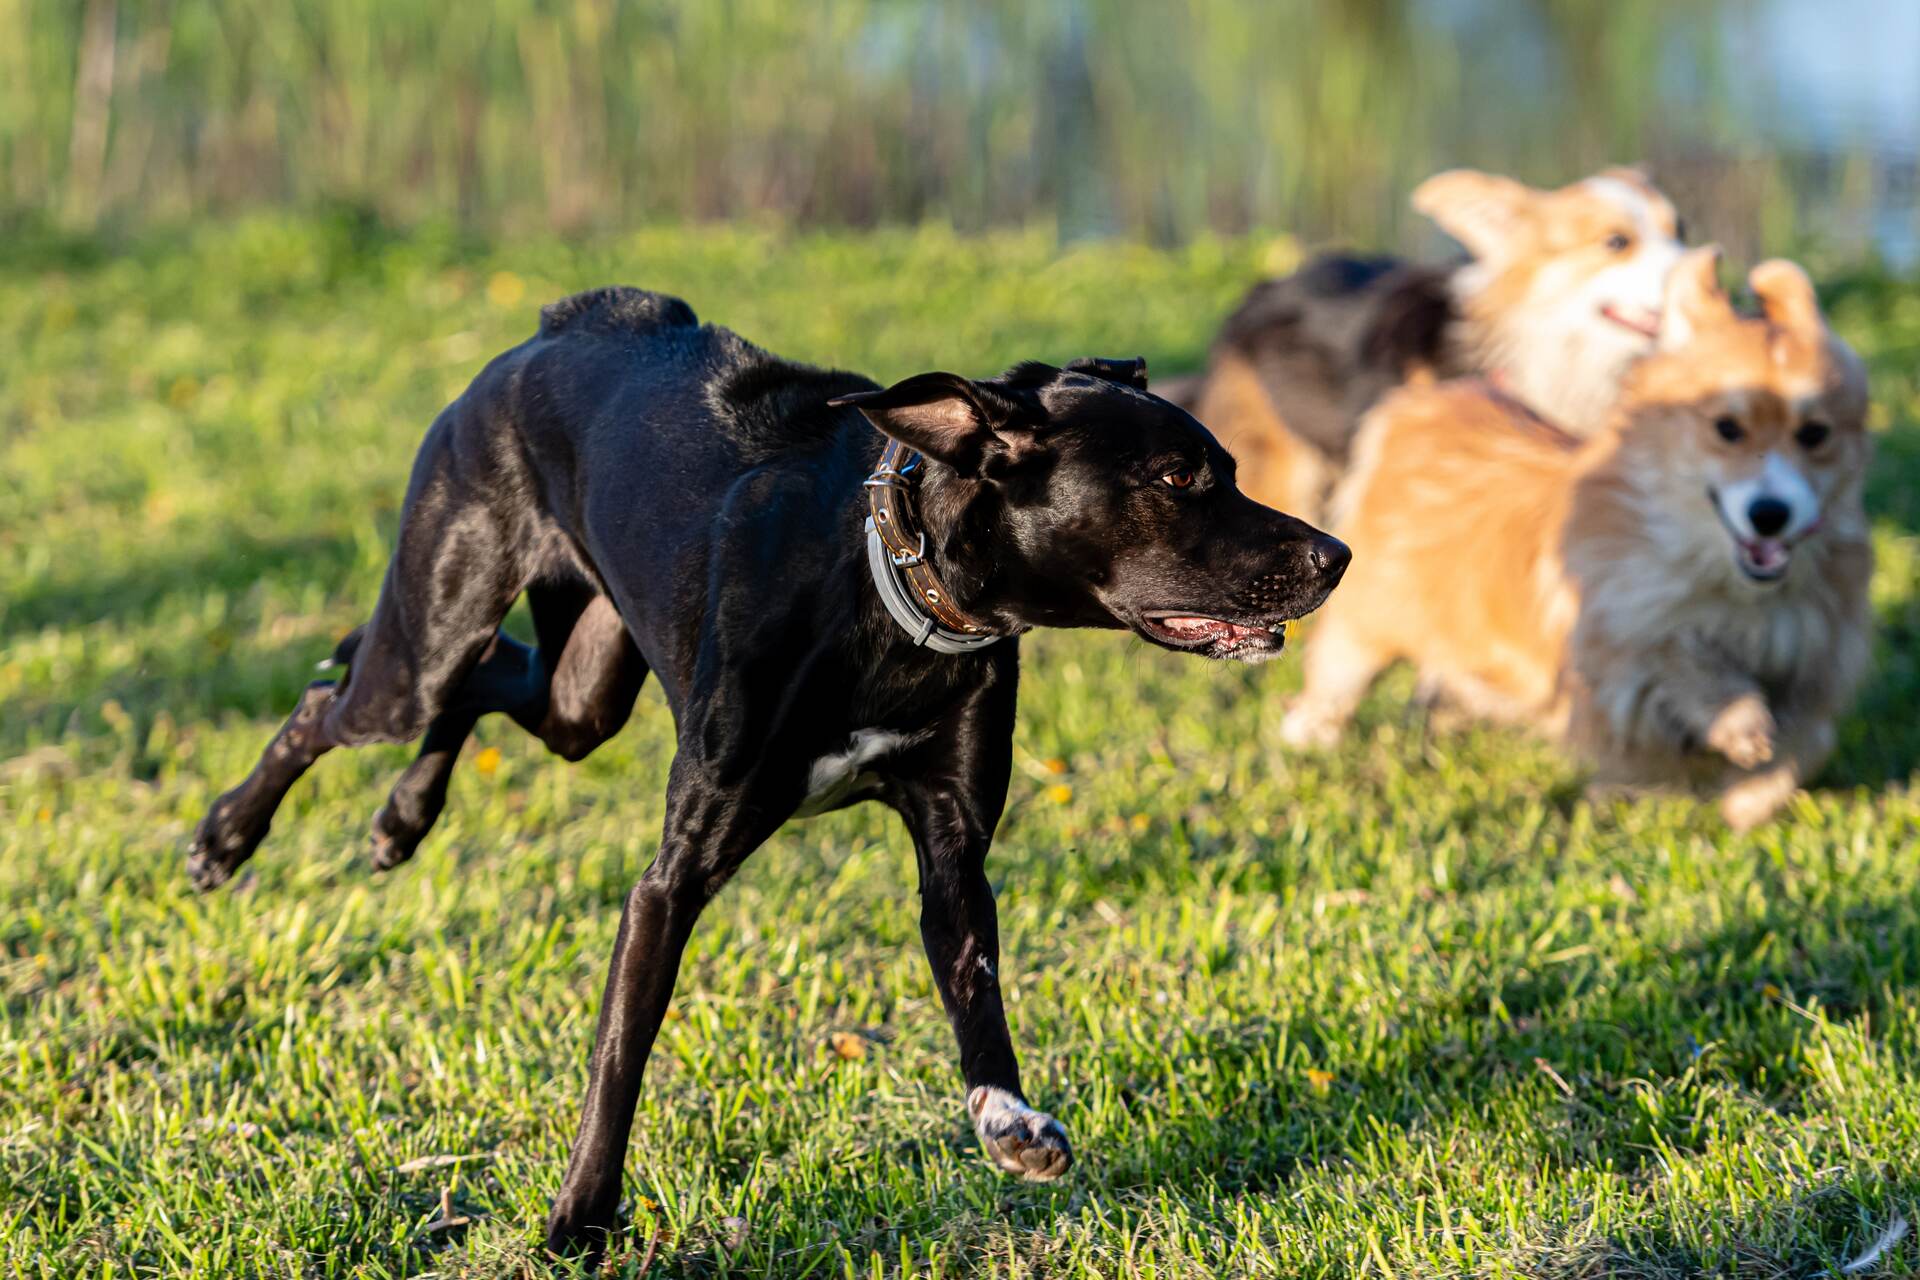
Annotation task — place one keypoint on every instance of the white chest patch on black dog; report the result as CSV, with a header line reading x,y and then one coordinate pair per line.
x,y
833,778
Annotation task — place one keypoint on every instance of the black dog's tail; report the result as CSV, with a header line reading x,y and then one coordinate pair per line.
x,y
344,651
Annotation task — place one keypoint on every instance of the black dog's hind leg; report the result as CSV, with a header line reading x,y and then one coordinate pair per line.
x,y
572,702
238,820
509,677
950,793
710,830
420,793
451,581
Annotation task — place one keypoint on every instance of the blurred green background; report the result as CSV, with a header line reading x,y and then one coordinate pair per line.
x,y
1773,121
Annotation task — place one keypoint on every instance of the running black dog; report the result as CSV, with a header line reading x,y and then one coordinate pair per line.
x,y
831,610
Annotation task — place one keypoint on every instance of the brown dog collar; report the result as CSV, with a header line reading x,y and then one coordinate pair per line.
x,y
902,571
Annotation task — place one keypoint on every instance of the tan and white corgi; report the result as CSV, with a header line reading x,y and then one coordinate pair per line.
x,y
1561,293
1682,596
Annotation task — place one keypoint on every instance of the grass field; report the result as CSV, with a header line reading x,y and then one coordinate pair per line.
x,y
1413,1009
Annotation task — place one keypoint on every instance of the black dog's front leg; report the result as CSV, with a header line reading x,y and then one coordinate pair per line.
x,y
709,832
951,805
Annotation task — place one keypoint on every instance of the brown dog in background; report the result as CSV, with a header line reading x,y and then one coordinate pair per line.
x,y
1683,596
1561,293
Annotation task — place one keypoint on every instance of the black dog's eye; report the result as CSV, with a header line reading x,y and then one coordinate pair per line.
x,y
1181,479
1619,242
1680,230
1729,430
1813,435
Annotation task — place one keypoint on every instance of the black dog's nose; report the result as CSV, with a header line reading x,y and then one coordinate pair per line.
x,y
1769,516
1329,557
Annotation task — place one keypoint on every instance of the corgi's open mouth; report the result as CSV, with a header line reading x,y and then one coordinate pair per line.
x,y
1215,637
1641,320
1760,559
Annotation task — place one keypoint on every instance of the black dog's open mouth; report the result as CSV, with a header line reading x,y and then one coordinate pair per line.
x,y
1215,637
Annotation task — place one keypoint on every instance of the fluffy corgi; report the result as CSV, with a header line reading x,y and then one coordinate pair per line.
x,y
1561,293
1682,596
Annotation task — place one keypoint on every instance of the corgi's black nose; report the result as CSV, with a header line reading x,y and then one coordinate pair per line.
x,y
1769,516
1330,556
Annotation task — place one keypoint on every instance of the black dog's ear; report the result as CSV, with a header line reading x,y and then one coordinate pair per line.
x,y
1128,373
949,418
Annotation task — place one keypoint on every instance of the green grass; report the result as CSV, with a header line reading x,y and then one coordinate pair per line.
x,y
1412,1009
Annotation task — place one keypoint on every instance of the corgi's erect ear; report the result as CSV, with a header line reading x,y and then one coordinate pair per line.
x,y
1637,175
1481,210
1694,300
1787,297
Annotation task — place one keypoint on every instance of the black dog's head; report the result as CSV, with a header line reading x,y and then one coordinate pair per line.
x,y
1071,497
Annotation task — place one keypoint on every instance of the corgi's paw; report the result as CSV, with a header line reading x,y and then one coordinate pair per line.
x,y
1307,727
1752,800
1743,731
1016,1137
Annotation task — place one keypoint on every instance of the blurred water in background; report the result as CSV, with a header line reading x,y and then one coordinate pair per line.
x,y
1793,124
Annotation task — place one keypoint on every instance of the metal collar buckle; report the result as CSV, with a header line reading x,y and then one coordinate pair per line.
x,y
902,559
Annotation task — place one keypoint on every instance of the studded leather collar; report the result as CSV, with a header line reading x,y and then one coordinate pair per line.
x,y
902,571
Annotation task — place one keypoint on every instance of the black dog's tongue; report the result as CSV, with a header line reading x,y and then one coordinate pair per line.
x,y
1199,628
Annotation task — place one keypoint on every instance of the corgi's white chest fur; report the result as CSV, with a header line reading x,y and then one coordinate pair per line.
x,y
1770,639
1768,632
832,778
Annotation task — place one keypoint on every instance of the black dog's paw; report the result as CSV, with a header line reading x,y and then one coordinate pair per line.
x,y
579,1231
217,849
393,840
1016,1137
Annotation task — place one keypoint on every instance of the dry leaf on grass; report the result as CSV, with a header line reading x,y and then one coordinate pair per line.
x,y
1546,1069
448,1219
439,1162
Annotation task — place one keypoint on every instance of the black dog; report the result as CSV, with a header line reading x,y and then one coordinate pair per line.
x,y
671,498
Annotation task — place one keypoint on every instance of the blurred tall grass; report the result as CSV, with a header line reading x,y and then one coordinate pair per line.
x,y
1162,120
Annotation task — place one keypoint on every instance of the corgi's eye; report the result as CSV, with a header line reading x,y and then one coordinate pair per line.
x,y
1181,479
1729,430
1813,435
1619,242
1680,230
